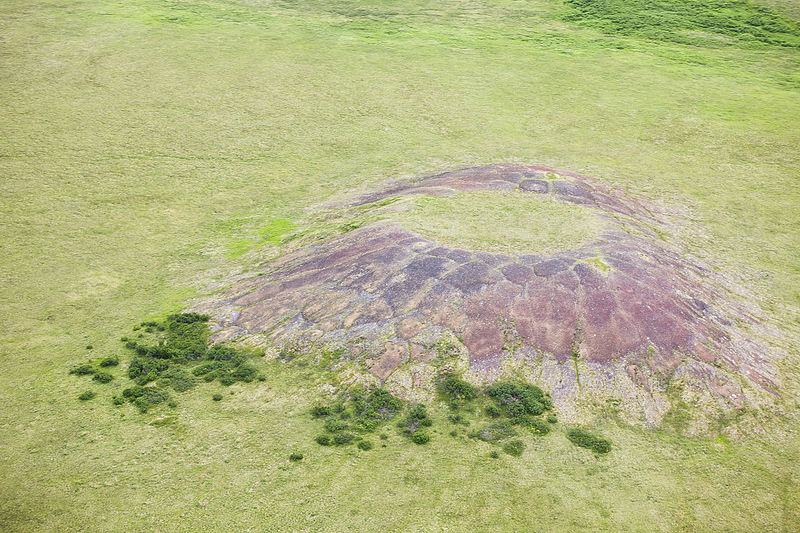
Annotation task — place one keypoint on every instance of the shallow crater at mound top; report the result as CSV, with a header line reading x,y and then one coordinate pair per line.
x,y
619,317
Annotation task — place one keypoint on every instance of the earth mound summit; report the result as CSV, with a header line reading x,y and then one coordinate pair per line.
x,y
624,321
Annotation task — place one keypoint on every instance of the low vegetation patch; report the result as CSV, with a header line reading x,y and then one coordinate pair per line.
x,y
688,21
514,447
584,439
87,395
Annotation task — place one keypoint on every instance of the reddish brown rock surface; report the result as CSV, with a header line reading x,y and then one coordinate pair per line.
x,y
623,317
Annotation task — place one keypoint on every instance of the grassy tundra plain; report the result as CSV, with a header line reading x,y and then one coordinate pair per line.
x,y
150,148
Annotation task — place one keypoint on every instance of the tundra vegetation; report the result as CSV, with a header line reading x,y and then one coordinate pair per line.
x,y
149,149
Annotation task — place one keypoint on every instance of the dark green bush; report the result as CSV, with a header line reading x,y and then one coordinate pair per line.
x,y
538,427
514,447
217,397
227,380
203,369
457,419
519,399
118,400
364,445
294,457
494,454
145,397
420,437
323,440
185,318
87,395
333,424
89,347
83,370
455,390
112,360
102,376
552,419
384,436
318,411
584,439
416,419
343,438
179,379
493,411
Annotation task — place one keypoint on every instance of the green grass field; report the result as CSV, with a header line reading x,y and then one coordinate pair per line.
x,y
148,147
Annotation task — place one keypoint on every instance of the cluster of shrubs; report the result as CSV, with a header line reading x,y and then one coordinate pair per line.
x,y
517,400
584,439
455,390
176,356
346,421
509,405
415,423
144,397
98,372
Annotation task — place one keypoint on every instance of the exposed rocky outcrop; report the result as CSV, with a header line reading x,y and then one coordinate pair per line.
x,y
625,319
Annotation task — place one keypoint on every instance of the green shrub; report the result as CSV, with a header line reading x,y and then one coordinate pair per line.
x,y
227,380
417,418
323,440
494,454
83,370
295,456
112,360
457,419
245,373
514,447
217,397
118,400
384,436
455,390
318,411
364,445
538,427
519,399
145,397
184,318
552,419
102,376
420,437
343,438
333,424
493,411
584,439
179,379
378,405
86,395
89,347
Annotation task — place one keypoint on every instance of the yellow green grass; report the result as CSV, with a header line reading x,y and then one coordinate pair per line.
x,y
502,221
144,144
